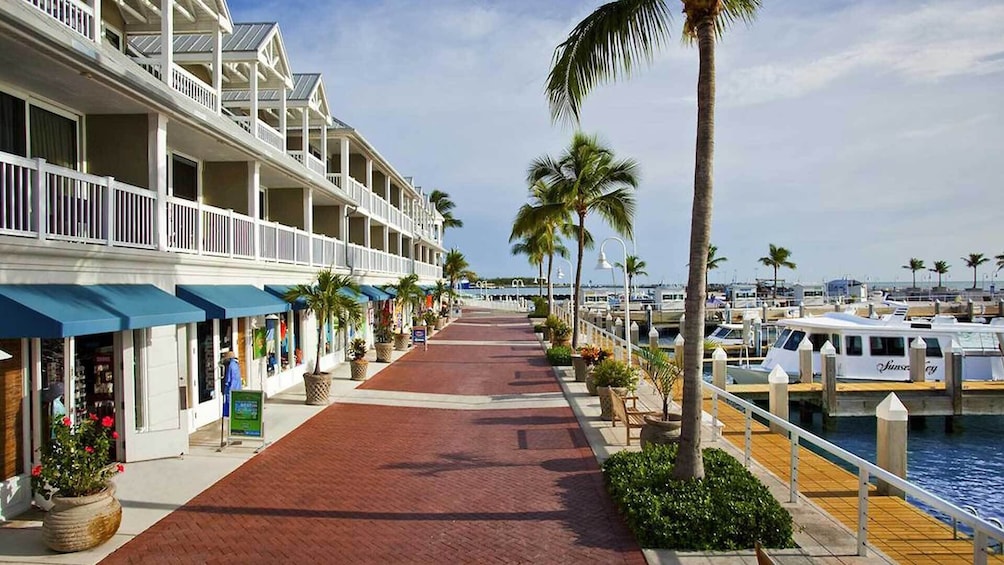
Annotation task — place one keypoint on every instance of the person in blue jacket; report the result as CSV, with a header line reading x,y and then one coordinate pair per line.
x,y
231,379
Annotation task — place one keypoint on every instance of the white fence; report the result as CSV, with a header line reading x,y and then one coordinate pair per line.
x,y
74,14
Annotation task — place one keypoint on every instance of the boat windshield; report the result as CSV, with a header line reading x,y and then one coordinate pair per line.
x,y
796,338
782,338
977,341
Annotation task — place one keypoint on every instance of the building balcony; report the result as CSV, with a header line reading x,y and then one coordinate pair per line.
x,y
262,131
374,204
184,82
74,14
46,202
309,161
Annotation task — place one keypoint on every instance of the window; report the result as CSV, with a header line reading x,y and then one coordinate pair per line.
x,y
782,338
854,346
184,178
796,338
887,346
113,37
933,346
818,340
835,340
12,127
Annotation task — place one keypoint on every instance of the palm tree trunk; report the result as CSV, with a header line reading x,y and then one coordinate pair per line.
x,y
974,277
320,336
540,279
775,282
550,285
689,462
578,281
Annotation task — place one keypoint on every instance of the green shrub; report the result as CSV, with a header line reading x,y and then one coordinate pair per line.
x,y
538,328
539,307
614,373
560,356
553,321
728,509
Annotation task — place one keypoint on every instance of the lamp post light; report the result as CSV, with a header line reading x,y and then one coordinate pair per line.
x,y
602,263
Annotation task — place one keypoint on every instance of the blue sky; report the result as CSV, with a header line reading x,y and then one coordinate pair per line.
x,y
857,134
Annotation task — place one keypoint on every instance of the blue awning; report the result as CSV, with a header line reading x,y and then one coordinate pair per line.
x,y
390,291
352,294
64,310
374,293
223,301
280,291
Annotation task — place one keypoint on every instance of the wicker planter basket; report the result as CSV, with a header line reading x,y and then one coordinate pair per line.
x,y
317,388
81,522
440,323
358,368
591,384
401,341
383,352
581,369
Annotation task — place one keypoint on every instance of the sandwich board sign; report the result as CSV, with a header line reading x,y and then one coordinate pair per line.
x,y
418,335
246,420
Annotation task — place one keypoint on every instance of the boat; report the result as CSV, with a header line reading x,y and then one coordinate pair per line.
x,y
878,349
596,299
670,298
730,335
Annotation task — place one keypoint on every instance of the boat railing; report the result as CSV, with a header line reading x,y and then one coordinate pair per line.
x,y
983,529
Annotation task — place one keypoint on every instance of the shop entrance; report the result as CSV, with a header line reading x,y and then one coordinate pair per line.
x,y
207,367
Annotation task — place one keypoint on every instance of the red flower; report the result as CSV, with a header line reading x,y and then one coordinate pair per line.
x,y
107,421
66,420
36,471
89,449
93,417
121,468
115,435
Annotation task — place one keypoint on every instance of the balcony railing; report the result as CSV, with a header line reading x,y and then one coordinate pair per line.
x,y
74,14
426,270
263,131
42,201
184,83
312,163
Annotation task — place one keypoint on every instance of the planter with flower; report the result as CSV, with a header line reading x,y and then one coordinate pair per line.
x,y
430,318
561,335
359,363
409,297
611,373
384,339
76,471
664,372
587,358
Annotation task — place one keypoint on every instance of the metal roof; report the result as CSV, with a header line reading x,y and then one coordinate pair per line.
x,y
246,38
303,86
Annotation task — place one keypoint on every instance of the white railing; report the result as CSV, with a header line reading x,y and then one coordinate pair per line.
x,y
335,179
426,270
74,14
311,163
374,204
373,260
186,83
271,136
983,531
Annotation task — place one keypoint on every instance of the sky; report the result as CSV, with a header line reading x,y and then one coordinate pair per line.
x,y
857,134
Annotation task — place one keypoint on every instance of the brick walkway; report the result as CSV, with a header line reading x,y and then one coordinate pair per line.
x,y
380,484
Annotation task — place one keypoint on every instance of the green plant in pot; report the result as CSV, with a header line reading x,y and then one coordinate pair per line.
x,y
359,364
663,372
407,293
384,338
550,323
611,373
588,356
561,335
430,318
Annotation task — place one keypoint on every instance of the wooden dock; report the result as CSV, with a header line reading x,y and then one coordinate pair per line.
x,y
920,399
895,527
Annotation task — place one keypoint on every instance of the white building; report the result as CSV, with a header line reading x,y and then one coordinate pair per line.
x,y
153,204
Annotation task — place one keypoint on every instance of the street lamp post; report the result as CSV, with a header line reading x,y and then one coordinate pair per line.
x,y
571,278
602,263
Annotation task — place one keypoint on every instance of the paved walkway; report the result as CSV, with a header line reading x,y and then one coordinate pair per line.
x,y
502,474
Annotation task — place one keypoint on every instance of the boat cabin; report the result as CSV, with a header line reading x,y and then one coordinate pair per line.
x,y
809,294
741,295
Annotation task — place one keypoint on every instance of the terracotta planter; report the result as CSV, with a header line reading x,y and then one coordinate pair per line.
x,y
580,366
317,387
401,341
591,385
358,368
81,522
383,352
661,432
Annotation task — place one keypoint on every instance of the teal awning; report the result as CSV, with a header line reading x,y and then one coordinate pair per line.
x,y
392,292
374,293
280,291
352,294
64,310
224,301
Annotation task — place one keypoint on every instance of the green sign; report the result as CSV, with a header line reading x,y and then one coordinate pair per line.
x,y
246,407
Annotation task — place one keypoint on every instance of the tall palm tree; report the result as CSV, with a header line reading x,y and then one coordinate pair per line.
x,y
1000,261
940,267
916,265
408,293
975,260
605,46
324,301
445,206
713,261
533,246
777,257
455,266
635,267
587,178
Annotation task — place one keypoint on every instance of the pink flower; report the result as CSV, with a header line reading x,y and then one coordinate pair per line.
x,y
121,468
36,471
66,420
89,449
107,421
115,435
93,417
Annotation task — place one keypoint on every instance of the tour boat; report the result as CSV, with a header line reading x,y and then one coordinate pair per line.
x,y
879,349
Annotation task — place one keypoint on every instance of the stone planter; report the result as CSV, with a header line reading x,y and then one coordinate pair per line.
x,y
383,352
606,405
581,369
440,323
358,368
81,522
661,432
401,341
591,385
317,388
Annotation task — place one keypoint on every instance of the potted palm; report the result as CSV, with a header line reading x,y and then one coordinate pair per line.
x,y
409,295
324,301
384,338
442,289
664,372
430,318
359,363
76,471
561,335
611,373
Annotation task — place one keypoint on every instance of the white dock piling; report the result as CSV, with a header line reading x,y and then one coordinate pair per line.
x,y
778,381
918,360
890,446
805,360
719,367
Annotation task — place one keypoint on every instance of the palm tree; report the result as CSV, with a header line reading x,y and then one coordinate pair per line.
x,y
324,301
940,267
408,293
713,261
533,246
586,178
635,267
444,205
777,258
1000,261
455,266
975,260
916,265
607,45
442,289
549,224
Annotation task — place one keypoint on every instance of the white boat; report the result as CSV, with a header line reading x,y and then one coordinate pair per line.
x,y
731,335
878,350
670,298
596,300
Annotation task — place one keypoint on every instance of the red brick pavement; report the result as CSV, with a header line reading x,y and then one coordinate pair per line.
x,y
378,484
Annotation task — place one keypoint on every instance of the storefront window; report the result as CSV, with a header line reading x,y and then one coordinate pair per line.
x,y
207,362
53,393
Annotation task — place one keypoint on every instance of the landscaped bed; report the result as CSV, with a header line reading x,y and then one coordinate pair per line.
x,y
727,510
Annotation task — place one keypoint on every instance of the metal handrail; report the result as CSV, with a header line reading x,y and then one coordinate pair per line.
x,y
983,529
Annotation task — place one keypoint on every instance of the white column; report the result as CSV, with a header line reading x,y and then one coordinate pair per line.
x,y
324,145
157,159
386,239
254,205
369,174
97,34
308,210
400,245
282,117
386,187
344,156
218,68
367,243
305,128
166,40
254,99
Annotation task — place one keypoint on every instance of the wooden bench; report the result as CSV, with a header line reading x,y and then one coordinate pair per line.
x,y
630,416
